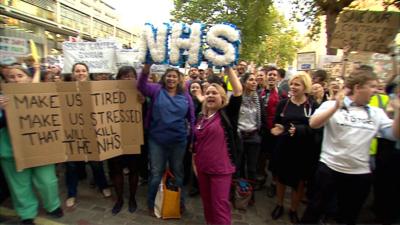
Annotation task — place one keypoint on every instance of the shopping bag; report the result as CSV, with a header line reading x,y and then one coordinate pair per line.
x,y
243,191
167,203
159,200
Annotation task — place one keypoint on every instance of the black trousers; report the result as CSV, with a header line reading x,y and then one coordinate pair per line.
x,y
387,183
352,191
4,192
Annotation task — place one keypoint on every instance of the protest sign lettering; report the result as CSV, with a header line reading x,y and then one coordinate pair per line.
x,y
306,60
369,31
73,121
128,57
99,56
11,46
34,123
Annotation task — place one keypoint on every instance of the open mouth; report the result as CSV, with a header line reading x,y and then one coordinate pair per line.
x,y
210,100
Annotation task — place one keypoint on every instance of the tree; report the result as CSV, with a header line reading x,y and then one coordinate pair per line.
x,y
281,45
250,16
309,11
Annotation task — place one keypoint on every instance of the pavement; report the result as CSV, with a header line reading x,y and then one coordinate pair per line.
x,y
93,209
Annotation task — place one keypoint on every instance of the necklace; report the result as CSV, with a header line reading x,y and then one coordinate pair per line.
x,y
210,116
306,105
200,125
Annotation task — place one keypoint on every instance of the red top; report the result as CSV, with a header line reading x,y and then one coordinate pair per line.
x,y
270,108
211,147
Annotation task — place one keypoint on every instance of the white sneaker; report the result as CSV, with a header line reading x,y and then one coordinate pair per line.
x,y
70,202
106,192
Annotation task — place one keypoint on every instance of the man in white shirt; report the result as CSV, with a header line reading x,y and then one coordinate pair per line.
x,y
349,126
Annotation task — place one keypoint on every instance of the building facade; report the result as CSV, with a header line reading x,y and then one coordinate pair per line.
x,y
50,22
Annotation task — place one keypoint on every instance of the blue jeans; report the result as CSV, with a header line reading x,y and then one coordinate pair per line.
x,y
159,155
72,176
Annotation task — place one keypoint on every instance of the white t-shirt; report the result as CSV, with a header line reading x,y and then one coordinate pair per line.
x,y
348,135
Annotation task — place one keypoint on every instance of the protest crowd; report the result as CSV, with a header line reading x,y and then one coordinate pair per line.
x,y
218,133
222,134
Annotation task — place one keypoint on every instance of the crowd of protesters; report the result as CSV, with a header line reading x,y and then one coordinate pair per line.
x,y
311,132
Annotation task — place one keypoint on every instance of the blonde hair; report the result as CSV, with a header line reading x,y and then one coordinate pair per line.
x,y
305,79
221,91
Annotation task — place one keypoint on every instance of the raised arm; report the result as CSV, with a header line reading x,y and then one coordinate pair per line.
x,y
395,68
320,119
237,89
36,75
142,84
345,58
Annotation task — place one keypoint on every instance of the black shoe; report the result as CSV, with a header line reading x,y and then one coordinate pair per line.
x,y
57,213
132,206
194,192
293,217
271,192
259,183
182,209
277,212
252,200
92,184
117,207
28,222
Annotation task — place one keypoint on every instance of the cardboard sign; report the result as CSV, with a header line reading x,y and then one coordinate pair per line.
x,y
73,121
368,31
11,46
306,60
99,56
381,63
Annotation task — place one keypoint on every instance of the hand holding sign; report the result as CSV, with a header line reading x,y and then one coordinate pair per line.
x,y
3,101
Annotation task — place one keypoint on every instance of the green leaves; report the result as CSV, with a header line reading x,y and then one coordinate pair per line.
x,y
266,35
250,16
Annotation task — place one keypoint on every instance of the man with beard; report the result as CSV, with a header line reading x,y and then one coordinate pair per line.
x,y
194,75
241,68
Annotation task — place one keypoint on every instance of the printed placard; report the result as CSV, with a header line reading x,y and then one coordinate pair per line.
x,y
128,57
12,46
99,56
306,60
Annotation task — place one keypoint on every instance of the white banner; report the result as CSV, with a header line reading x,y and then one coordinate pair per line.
x,y
99,56
11,46
128,57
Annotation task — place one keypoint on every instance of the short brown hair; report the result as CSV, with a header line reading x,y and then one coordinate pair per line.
x,y
359,77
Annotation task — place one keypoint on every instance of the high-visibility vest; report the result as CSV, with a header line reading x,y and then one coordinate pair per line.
x,y
381,101
228,84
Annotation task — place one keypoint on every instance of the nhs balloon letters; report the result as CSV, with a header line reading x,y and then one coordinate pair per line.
x,y
169,43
